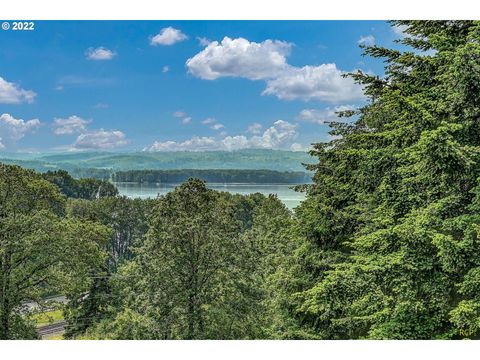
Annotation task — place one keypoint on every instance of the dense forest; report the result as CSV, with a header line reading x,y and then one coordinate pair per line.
x,y
385,246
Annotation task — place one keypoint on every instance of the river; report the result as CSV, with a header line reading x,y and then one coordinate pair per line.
x,y
288,196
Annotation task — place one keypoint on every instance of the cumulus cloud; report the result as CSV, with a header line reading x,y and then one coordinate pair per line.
x,y
165,69
214,124
324,115
240,58
194,144
179,114
99,53
254,128
11,93
71,125
100,139
324,83
268,61
217,126
1,145
297,147
88,139
280,135
13,129
203,41
400,30
368,40
208,121
168,36
183,115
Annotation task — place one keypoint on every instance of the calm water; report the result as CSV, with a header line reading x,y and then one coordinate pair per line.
x,y
288,196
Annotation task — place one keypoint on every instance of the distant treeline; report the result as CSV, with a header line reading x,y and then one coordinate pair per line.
x,y
243,175
213,175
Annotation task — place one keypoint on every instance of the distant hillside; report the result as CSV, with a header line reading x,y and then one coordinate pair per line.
x,y
249,176
242,159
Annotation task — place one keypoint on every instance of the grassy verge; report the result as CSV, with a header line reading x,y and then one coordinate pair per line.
x,y
54,337
48,317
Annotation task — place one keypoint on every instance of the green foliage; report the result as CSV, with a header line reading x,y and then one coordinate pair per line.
x,y
80,189
41,251
127,221
195,276
389,228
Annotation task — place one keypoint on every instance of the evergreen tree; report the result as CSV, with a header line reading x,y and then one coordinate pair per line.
x,y
390,224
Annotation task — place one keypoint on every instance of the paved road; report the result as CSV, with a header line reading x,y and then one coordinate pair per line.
x,y
51,329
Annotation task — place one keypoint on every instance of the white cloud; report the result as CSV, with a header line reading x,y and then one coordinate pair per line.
x,y
99,53
297,147
13,129
324,83
179,114
185,118
71,125
280,135
368,40
88,139
268,61
168,36
240,58
322,116
208,121
1,145
203,41
165,69
100,139
11,93
214,124
400,30
254,128
217,126
194,144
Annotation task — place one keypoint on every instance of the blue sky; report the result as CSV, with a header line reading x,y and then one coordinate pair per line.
x,y
179,85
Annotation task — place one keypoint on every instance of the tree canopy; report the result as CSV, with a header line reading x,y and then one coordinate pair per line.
x,y
41,251
390,225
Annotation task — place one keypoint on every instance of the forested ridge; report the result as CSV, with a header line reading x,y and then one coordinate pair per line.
x,y
385,246
212,175
102,164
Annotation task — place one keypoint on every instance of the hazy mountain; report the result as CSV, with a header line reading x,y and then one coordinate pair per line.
x,y
241,159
